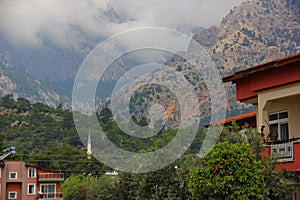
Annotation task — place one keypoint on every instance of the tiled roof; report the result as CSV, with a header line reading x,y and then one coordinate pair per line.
x,y
238,117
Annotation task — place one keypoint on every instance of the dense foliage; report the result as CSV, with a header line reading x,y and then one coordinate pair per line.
x,y
44,136
167,183
234,169
34,127
229,171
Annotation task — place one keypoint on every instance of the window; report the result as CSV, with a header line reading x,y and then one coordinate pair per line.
x,y
49,190
13,175
12,195
31,189
31,172
278,126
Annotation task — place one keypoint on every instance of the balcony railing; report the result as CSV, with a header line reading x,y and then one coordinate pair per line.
x,y
49,196
282,152
51,177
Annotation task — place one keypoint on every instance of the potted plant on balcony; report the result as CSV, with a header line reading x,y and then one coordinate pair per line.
x,y
273,137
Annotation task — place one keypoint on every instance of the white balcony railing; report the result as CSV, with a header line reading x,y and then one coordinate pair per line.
x,y
57,195
51,177
282,152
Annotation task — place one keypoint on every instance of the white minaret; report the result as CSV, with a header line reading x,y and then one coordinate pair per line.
x,y
89,147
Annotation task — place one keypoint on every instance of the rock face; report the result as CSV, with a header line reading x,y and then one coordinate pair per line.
x,y
46,73
6,85
255,32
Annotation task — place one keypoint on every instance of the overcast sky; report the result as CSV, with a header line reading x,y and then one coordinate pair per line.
x,y
30,22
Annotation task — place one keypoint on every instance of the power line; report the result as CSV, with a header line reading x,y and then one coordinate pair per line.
x,y
65,161
46,155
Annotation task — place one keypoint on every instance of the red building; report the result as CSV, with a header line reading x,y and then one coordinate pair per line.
x,y
274,88
25,182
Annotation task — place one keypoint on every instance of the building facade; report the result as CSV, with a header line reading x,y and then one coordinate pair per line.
x,y
274,88
19,181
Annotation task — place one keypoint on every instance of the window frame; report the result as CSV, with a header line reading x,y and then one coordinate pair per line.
x,y
279,122
34,188
12,192
29,169
48,184
10,173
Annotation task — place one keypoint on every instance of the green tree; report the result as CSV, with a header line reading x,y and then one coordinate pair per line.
x,y
90,188
103,188
73,183
275,181
166,183
23,105
229,171
8,101
236,134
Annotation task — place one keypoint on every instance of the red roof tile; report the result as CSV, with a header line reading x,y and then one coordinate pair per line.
x,y
238,117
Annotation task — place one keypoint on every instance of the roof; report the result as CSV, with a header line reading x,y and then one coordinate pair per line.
x,y
236,118
28,165
261,67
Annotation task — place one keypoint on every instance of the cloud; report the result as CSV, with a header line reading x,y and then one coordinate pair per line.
x,y
172,13
68,22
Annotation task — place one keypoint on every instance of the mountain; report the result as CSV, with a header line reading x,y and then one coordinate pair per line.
x,y
257,31
14,81
46,72
254,32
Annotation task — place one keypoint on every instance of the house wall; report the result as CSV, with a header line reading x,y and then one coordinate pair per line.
x,y
291,165
2,182
57,184
248,86
20,185
30,181
14,166
14,187
281,99
243,90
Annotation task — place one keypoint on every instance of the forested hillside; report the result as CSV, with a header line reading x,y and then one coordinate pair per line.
x,y
47,136
43,136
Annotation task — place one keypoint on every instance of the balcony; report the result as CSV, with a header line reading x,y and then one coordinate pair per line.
x,y
51,196
282,152
49,177
287,154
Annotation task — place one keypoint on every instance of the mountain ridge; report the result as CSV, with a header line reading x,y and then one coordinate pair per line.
x,y
254,32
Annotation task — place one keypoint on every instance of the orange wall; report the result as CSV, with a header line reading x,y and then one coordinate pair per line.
x,y
14,166
2,183
14,187
28,180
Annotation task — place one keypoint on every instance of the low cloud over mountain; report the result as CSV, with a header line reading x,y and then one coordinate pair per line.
x,y
68,23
